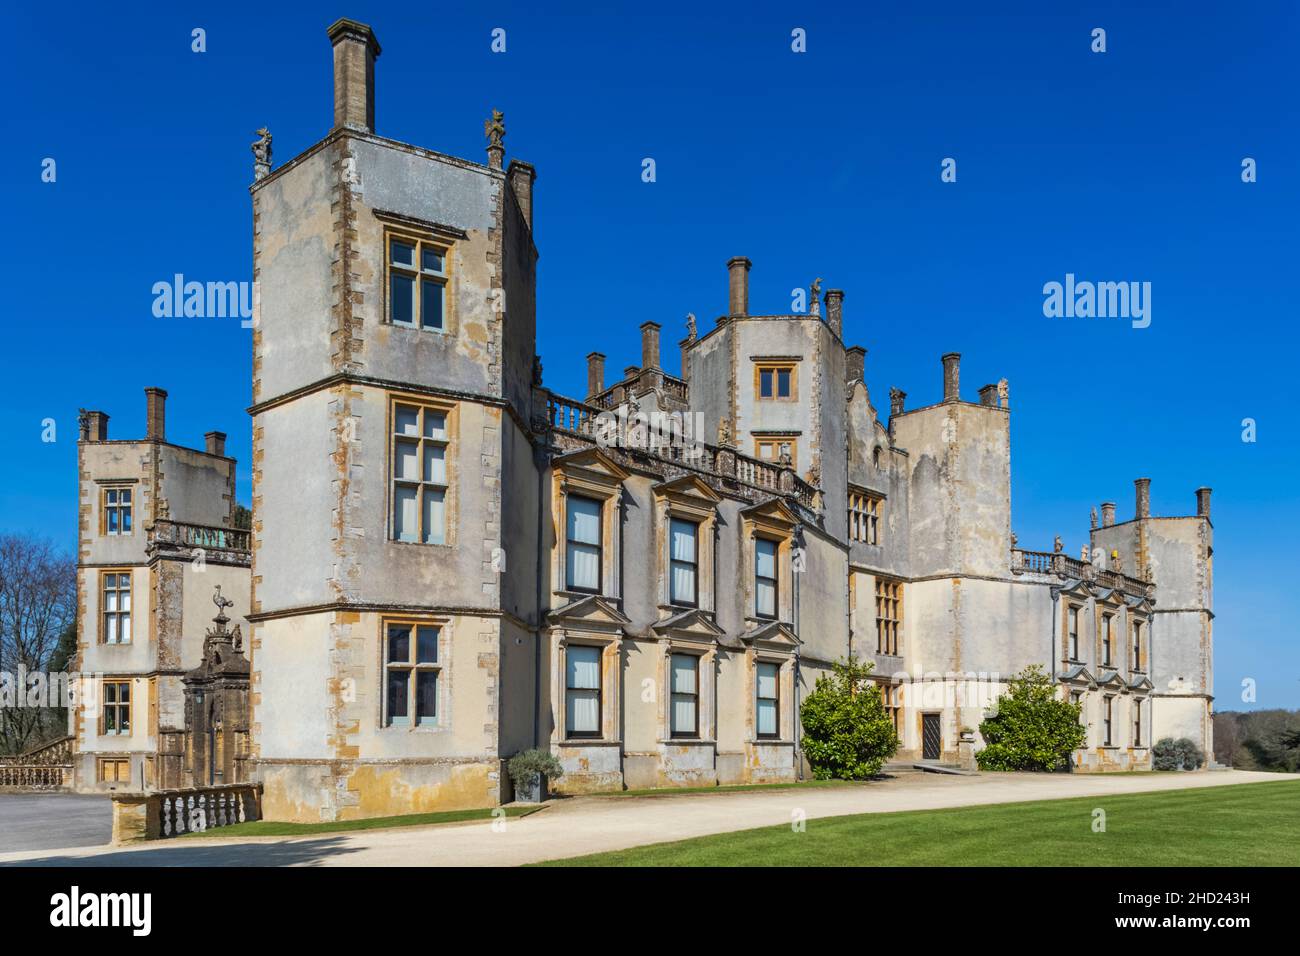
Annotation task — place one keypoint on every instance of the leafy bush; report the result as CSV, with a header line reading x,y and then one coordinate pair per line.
x,y
847,734
1032,728
524,764
1180,754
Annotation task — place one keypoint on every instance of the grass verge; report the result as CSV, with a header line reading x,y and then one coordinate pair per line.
x,y
1239,825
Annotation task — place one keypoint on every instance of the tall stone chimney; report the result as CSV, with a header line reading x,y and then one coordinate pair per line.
x,y
855,362
1107,513
835,311
897,398
738,274
94,425
355,52
951,372
1143,486
1203,502
215,443
522,176
650,344
155,414
595,374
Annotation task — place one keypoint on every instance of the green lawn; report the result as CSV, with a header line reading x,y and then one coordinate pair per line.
x,y
272,828
1240,825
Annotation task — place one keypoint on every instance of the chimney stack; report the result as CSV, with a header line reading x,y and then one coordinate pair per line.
x,y
355,52
1143,486
1203,503
650,344
216,443
989,395
94,426
855,361
951,371
835,311
595,374
1107,513
155,415
896,399
522,176
738,273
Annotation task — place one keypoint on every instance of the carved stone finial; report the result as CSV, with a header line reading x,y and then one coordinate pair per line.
x,y
690,326
262,154
495,131
724,433
1057,545
785,460
815,297
1014,539
537,370
1004,393
1116,562
1083,554
221,602
1094,519
896,398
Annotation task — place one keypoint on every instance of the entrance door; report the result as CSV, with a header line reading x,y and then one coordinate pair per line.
x,y
931,737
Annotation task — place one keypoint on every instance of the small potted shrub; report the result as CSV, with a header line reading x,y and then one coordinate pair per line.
x,y
1180,754
530,770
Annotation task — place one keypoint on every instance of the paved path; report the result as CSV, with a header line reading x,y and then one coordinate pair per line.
x,y
49,821
594,824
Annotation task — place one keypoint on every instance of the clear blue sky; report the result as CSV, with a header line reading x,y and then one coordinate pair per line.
x,y
1116,166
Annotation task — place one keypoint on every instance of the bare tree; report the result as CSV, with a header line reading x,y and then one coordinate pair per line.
x,y
38,602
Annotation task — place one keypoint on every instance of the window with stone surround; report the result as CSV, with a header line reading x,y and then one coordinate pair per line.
x,y
417,283
114,770
767,703
864,516
684,563
1107,637
115,716
116,507
891,696
1107,712
889,615
765,578
115,607
582,537
775,381
1137,644
684,707
412,669
582,703
1072,617
420,448
1137,723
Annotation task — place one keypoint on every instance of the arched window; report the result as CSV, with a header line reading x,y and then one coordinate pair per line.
x,y
875,457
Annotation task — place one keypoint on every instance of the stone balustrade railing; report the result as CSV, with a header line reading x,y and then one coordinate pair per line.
x,y
52,753
161,814
34,777
224,544
580,420
1064,566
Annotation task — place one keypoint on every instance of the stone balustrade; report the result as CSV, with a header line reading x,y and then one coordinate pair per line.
x,y
161,814
1063,566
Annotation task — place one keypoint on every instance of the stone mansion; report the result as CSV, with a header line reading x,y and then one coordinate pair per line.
x,y
449,563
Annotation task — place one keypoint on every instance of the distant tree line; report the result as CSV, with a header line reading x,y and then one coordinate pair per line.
x,y
1258,740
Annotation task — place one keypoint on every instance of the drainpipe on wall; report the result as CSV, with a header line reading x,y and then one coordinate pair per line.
x,y
798,757
537,634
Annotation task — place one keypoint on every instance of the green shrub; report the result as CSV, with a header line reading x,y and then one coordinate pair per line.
x,y
846,733
1032,728
1180,754
524,764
